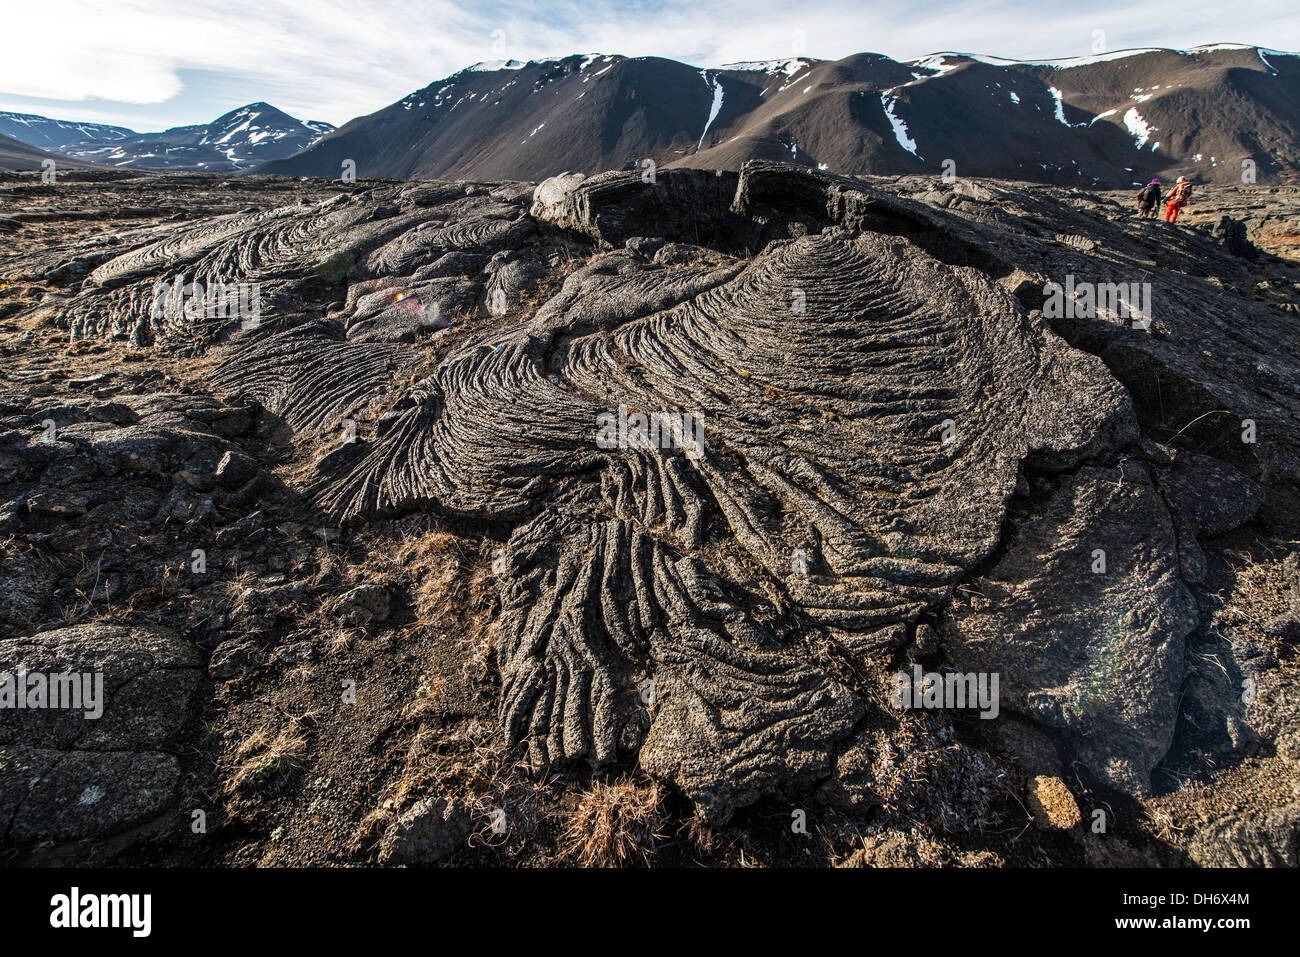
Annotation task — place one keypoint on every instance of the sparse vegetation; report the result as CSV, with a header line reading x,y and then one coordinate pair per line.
x,y
614,823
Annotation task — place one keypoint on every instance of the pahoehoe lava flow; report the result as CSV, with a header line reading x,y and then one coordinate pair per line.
x,y
872,389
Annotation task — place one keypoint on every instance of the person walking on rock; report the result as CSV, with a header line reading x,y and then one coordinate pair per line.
x,y
1177,199
1149,199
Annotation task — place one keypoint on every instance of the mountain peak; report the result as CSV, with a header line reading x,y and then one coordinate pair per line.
x,y
257,109
240,139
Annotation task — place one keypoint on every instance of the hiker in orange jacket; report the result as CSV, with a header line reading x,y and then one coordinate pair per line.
x,y
1177,199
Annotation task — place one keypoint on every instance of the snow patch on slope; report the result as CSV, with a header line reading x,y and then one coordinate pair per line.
x,y
937,62
714,109
1138,127
1069,63
1060,105
788,67
491,66
901,134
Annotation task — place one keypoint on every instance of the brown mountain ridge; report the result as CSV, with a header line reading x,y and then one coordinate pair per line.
x,y
1105,121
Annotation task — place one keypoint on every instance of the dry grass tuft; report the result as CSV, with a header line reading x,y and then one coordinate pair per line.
x,y
262,757
1259,592
435,555
700,834
1162,823
615,824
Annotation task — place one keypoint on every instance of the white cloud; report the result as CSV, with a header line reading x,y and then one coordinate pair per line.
x,y
336,59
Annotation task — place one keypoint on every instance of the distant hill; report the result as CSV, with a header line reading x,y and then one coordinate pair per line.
x,y
1103,121
238,140
16,156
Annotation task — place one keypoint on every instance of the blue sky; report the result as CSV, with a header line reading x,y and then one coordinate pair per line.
x,y
150,64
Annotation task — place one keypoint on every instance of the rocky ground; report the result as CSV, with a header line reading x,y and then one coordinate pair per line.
x,y
365,587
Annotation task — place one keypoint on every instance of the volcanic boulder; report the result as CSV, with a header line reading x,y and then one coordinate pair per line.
x,y
67,773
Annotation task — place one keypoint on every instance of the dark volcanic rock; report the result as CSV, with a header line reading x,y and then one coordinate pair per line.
x,y
1084,618
1208,494
736,438
82,794
427,833
1232,842
98,768
896,452
1232,233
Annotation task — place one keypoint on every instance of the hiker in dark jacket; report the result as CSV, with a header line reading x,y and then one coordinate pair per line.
x,y
1149,199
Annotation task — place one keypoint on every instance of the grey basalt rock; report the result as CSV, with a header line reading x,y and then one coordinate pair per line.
x,y
65,775
554,199
613,207
83,794
1208,494
430,831
1084,619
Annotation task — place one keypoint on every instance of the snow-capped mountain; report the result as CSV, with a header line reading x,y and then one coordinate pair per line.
x,y
1114,119
47,134
238,140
